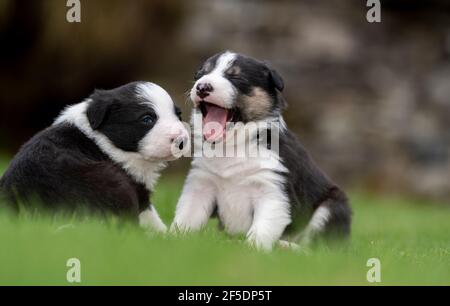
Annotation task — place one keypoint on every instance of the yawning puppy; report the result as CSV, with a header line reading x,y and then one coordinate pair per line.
x,y
265,197
102,155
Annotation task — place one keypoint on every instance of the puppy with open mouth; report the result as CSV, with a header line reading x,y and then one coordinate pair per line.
x,y
267,199
102,155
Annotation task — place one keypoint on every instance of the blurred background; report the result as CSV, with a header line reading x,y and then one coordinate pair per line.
x,y
371,102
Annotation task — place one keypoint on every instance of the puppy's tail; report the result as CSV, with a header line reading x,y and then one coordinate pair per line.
x,y
331,220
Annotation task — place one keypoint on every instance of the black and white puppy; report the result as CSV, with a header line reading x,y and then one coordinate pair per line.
x,y
266,199
102,155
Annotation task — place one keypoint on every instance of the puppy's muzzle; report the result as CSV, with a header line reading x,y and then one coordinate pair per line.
x,y
180,142
204,90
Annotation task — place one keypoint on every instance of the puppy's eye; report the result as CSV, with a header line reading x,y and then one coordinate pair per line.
x,y
198,75
147,119
234,71
206,68
179,113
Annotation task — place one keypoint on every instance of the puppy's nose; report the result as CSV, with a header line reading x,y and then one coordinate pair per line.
x,y
204,89
181,142
176,134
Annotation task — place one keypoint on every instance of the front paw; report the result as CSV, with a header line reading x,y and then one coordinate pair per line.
x,y
260,243
286,245
150,220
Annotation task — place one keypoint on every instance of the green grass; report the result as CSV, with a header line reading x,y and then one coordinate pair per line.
x,y
411,239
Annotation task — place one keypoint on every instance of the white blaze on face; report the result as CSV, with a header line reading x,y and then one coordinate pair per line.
x,y
163,140
223,93
219,100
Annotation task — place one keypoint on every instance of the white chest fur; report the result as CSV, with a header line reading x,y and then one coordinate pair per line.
x,y
248,191
240,185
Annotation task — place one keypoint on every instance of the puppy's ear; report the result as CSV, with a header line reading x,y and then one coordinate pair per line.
x,y
277,79
98,109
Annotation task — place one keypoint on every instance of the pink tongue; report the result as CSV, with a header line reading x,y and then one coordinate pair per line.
x,y
216,120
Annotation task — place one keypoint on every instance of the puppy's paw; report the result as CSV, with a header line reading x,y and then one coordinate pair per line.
x,y
286,245
258,243
149,219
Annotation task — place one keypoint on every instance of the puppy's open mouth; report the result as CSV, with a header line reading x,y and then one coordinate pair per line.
x,y
215,119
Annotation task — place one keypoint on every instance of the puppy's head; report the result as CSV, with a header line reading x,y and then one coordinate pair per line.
x,y
231,87
140,118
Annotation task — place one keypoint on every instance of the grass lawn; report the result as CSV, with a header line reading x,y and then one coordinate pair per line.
x,y
412,241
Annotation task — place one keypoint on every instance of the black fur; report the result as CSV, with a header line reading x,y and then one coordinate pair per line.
x,y
307,186
116,114
62,169
207,66
252,74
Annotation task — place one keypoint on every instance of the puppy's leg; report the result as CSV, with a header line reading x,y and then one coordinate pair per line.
x,y
332,219
149,219
271,216
196,203
287,245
